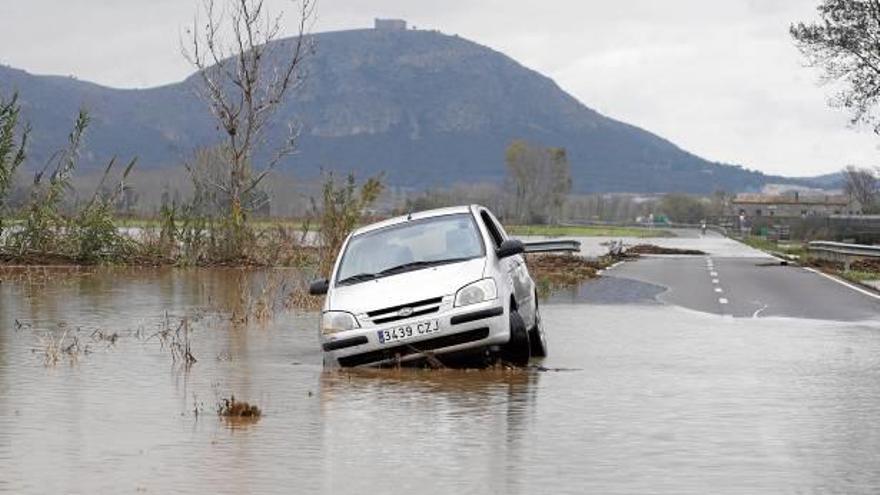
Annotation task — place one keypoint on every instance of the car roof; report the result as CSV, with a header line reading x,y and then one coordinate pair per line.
x,y
416,215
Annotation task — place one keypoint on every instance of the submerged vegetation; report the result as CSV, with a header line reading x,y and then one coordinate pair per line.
x,y
176,339
776,248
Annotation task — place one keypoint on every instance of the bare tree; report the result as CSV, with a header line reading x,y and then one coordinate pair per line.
x,y
246,71
862,185
845,43
541,180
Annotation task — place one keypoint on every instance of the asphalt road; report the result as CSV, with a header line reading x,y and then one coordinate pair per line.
x,y
736,280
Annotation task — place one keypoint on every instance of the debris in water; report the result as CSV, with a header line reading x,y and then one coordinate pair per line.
x,y
562,269
654,249
231,408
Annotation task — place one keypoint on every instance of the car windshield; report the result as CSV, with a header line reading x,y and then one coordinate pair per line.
x,y
409,246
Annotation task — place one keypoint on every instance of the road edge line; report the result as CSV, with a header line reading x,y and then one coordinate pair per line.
x,y
843,282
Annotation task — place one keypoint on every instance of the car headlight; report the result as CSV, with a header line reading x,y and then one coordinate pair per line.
x,y
477,292
337,321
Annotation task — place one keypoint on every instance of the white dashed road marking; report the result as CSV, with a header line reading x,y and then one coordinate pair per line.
x,y
710,266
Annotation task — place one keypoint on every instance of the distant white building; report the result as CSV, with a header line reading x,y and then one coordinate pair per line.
x,y
794,204
390,25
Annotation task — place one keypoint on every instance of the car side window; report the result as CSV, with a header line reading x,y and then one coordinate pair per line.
x,y
492,227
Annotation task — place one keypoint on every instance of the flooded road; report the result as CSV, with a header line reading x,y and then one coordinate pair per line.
x,y
642,397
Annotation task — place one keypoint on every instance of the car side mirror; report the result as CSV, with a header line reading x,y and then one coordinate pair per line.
x,y
510,247
319,287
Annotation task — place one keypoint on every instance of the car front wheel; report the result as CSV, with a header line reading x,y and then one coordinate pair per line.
x,y
537,339
518,350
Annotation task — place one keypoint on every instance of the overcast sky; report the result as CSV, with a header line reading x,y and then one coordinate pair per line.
x,y
719,78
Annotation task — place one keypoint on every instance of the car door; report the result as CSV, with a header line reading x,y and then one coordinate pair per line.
x,y
515,267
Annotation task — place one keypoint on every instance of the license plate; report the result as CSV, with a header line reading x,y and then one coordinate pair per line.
x,y
406,332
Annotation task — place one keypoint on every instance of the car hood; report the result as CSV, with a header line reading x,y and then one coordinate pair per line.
x,y
405,288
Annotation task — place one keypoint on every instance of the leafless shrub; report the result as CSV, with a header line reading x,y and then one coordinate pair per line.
x,y
176,340
299,297
263,308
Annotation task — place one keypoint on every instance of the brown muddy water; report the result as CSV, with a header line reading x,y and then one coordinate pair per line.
x,y
642,398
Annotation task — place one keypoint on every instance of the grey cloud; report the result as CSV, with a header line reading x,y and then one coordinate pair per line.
x,y
721,79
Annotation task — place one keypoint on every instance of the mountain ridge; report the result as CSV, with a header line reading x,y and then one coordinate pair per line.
x,y
426,108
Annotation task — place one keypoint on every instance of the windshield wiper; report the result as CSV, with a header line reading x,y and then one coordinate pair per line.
x,y
415,265
406,267
360,277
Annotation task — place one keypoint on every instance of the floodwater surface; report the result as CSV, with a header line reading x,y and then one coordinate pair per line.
x,y
636,398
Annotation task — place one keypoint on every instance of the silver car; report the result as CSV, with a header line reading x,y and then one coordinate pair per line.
x,y
439,285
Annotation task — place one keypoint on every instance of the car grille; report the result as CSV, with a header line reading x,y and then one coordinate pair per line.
x,y
402,350
419,308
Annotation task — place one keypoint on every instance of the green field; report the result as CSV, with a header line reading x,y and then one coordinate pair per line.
x,y
859,276
588,231
775,248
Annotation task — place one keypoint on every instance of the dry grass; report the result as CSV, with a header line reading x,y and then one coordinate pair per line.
x,y
263,307
867,265
259,302
54,348
860,271
67,343
299,297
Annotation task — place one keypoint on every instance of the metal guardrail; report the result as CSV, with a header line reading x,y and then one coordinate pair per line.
x,y
843,252
845,249
552,246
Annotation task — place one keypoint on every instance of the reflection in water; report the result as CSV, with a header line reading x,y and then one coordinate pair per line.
x,y
657,400
404,428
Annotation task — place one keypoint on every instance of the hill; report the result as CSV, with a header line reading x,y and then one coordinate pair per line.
x,y
426,108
